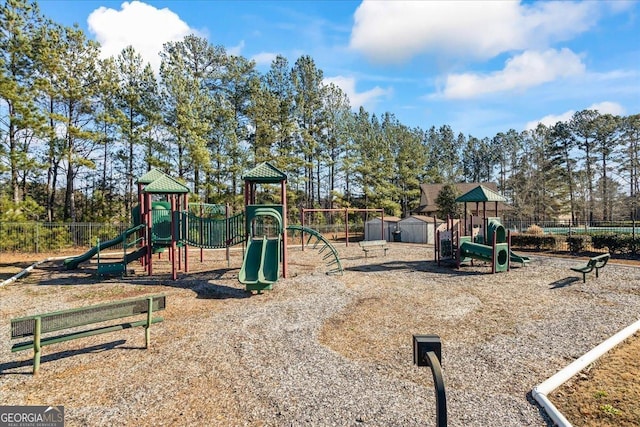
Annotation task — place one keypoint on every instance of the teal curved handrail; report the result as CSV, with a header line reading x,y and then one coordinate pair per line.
x,y
334,263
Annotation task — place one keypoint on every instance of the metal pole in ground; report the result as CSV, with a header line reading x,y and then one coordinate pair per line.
x,y
427,351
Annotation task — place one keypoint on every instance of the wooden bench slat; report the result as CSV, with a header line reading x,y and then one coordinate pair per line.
x,y
365,243
373,245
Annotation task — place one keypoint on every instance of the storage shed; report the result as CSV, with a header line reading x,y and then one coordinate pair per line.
x,y
373,228
418,229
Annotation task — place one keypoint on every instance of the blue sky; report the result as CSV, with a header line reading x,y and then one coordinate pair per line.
x,y
481,67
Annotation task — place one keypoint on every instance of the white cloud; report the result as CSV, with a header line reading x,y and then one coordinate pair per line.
x,y
237,49
550,120
357,99
395,31
138,24
526,70
264,58
606,107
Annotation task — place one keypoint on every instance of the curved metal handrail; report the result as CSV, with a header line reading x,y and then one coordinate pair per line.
x,y
427,351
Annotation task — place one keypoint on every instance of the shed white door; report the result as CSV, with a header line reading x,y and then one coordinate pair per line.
x,y
372,231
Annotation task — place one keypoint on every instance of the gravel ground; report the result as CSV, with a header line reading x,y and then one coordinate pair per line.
x,y
318,350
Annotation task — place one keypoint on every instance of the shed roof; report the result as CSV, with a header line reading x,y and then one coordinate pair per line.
x,y
423,218
265,173
429,194
386,219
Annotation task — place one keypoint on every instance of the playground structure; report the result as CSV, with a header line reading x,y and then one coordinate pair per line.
x,y
167,225
488,240
173,225
265,234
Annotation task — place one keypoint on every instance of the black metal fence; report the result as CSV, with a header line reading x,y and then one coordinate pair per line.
x,y
619,237
36,237
565,227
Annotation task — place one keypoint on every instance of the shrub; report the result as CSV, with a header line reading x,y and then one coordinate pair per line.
x,y
537,242
535,230
578,242
617,243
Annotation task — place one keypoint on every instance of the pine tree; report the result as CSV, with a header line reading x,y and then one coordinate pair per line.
x,y
20,23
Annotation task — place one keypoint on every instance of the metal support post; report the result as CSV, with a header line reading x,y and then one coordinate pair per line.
x,y
427,351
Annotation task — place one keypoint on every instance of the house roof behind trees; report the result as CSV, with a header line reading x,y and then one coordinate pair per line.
x,y
429,194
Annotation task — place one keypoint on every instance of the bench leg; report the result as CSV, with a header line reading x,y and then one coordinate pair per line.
x,y
147,327
584,277
37,349
597,269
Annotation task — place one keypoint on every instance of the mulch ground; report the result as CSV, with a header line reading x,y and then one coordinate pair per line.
x,y
264,359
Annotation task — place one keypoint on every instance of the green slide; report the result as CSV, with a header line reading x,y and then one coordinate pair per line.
x,y
261,265
485,253
72,263
476,251
251,265
514,257
270,261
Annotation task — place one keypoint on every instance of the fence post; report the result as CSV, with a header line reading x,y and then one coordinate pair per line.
x,y
37,239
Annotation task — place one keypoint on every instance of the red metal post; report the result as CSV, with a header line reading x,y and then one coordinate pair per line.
x,y
346,226
494,256
283,200
227,231
149,227
186,227
174,237
302,232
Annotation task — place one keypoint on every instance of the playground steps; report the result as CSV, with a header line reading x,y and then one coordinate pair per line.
x,y
316,240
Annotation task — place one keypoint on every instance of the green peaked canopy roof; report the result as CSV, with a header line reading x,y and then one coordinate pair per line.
x,y
265,173
481,194
151,176
165,185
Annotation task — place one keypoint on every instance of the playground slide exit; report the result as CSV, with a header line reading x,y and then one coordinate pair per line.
x,y
261,262
72,263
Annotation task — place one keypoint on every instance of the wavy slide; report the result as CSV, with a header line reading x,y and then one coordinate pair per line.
x,y
261,265
72,263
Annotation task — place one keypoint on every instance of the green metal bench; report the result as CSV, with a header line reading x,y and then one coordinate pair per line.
x,y
36,325
373,245
596,263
